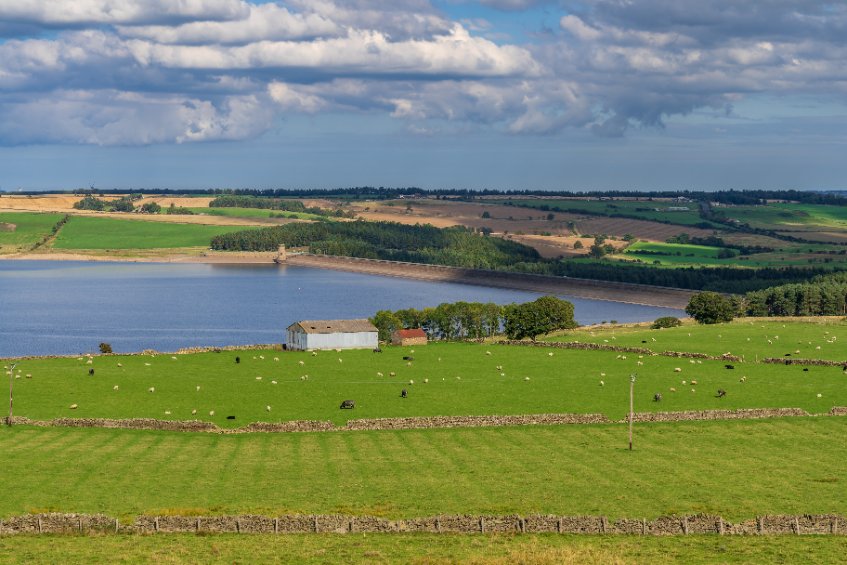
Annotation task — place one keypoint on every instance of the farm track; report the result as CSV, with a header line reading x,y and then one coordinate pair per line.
x,y
580,288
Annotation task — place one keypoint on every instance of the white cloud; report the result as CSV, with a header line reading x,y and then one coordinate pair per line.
x,y
82,12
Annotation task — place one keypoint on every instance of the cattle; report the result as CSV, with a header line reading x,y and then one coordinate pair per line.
x,y
377,350
721,393
238,359
403,393
408,358
347,405
729,366
90,371
657,397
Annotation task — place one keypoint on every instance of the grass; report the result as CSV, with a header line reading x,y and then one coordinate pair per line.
x,y
780,216
752,338
568,381
83,232
645,210
424,549
30,229
736,469
255,213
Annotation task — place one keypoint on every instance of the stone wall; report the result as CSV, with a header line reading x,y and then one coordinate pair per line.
x,y
620,349
811,362
738,414
473,421
55,523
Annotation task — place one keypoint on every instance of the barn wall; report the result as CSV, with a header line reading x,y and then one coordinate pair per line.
x,y
359,340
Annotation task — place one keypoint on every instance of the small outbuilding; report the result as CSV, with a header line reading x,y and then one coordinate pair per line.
x,y
408,337
332,334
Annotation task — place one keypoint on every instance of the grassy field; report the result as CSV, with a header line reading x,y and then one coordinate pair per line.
x,y
645,210
255,213
83,232
463,380
30,228
424,549
752,338
737,469
779,215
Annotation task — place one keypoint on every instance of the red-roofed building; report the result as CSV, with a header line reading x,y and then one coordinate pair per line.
x,y
408,337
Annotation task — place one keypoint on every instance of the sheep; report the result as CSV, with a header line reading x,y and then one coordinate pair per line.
x,y
90,371
602,383
273,382
730,367
602,374
677,369
743,379
693,382
392,374
167,412
411,382
550,354
672,389
258,378
120,364
75,406
173,357
426,381
820,395
147,364
301,363
276,358
339,360
409,364
211,412
89,362
314,353
194,412
692,390
151,389
267,408
403,393
526,378
377,350
657,397
408,358
378,374
488,353
262,357
721,393
347,405
115,387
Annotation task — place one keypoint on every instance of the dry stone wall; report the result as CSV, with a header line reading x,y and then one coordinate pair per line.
x,y
54,523
739,414
810,362
621,349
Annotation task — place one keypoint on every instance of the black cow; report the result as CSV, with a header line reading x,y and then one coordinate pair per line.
x,y
729,366
721,393
238,359
347,405
90,371
403,393
657,397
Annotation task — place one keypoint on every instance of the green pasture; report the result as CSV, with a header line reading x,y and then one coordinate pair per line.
x,y
751,338
85,232
463,379
782,215
441,549
30,229
645,210
737,469
254,213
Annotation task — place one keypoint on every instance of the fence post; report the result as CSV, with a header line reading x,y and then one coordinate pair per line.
x,y
685,525
759,526
720,525
644,526
116,525
482,524
559,526
521,525
438,524
795,525
38,522
276,525
833,525
315,523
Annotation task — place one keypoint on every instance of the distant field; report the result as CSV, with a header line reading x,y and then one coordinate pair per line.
x,y
439,549
254,213
463,380
737,469
758,338
645,210
84,232
29,229
776,216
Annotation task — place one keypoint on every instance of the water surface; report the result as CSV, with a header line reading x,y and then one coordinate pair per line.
x,y
70,307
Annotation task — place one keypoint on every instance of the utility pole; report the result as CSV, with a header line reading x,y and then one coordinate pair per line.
x,y
631,395
11,381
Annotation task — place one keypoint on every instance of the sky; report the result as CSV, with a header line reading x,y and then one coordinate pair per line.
x,y
503,94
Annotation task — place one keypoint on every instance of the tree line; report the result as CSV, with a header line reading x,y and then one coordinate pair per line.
x,y
456,246
824,295
264,203
477,320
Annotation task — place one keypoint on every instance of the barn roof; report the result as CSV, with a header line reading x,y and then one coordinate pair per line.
x,y
405,334
333,326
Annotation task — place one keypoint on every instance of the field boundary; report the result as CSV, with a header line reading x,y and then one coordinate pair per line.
x,y
589,346
422,422
665,297
56,523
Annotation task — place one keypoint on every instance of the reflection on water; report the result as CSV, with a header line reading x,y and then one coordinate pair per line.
x,y
70,307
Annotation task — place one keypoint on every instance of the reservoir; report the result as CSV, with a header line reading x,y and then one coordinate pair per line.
x,y
67,307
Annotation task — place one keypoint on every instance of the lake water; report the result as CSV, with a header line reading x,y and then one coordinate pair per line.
x,y
70,307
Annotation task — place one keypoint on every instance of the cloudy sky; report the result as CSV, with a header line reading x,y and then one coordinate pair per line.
x,y
568,94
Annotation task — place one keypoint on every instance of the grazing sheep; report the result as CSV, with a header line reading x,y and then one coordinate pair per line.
x,y
673,389
194,412
602,383
411,382
347,405
74,406
167,412
198,388
211,412
273,382
692,390
677,369
550,354
819,395
89,362
301,363
314,353
173,357
115,387
147,364
339,360
378,374
258,378
90,371
403,393
684,383
657,397
693,382
602,374
743,379
488,353
151,389
526,378
409,364
426,381
392,374
120,364
721,393
276,358
268,408
262,357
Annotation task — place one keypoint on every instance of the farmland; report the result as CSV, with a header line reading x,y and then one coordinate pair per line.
x,y
463,380
664,211
29,229
254,213
85,232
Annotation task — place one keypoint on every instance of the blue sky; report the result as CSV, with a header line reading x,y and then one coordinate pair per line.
x,y
657,94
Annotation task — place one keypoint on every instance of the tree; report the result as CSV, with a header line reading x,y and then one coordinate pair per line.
x,y
577,244
711,308
666,322
151,208
123,205
542,316
386,322
486,214
105,348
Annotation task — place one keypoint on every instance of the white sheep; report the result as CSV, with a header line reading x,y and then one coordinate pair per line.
x,y
258,378
426,381
411,382
120,364
211,412
147,364
173,357
526,378
151,389
677,369
262,357
488,353
693,382
392,374
276,358
167,412
340,360
550,354
273,382
602,383
820,395
268,408
73,406
198,388
673,389
378,374
301,363
194,412
115,387
602,374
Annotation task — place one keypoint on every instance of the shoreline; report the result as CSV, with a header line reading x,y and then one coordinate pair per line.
x,y
625,293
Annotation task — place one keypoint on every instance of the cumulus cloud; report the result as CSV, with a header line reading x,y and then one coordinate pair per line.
x,y
86,12
159,71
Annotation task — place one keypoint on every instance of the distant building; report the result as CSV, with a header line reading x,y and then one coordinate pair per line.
x,y
408,337
332,334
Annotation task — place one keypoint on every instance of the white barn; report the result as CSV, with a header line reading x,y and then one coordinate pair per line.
x,y
332,334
